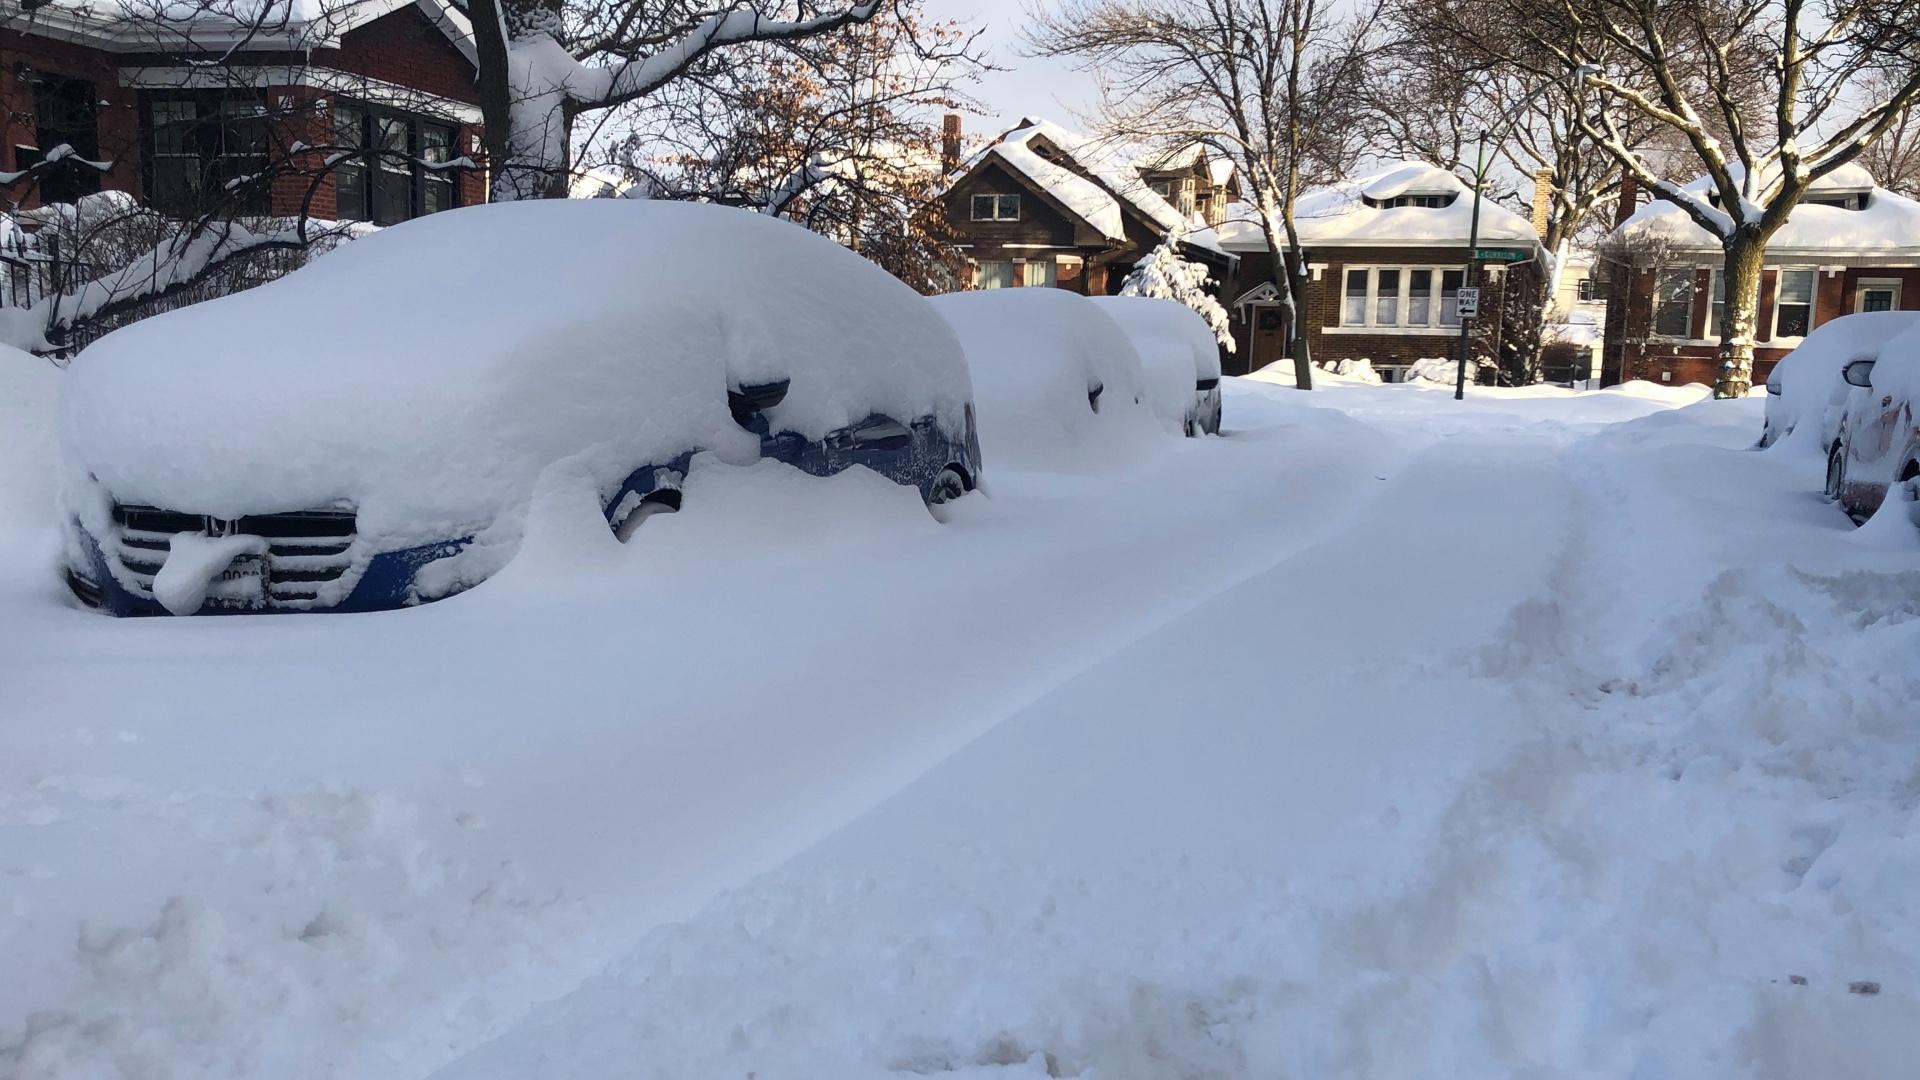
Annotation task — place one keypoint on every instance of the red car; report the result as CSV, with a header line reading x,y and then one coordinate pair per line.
x,y
1879,447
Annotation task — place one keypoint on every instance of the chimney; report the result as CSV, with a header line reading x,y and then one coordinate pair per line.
x,y
1629,199
950,143
1542,200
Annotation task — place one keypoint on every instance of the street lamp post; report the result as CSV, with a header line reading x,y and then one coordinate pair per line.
x,y
1580,71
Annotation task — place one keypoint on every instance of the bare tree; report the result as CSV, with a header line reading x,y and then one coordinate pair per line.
x,y
1894,158
545,63
1760,95
1271,84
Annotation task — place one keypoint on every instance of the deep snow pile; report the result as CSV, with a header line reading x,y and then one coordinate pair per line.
x,y
1056,383
620,350
1176,351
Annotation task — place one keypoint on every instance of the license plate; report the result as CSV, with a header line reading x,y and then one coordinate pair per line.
x,y
243,584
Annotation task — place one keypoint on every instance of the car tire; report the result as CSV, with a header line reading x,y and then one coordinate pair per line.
x,y
1836,473
948,485
666,501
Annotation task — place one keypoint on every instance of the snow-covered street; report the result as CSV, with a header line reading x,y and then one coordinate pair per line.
x,y
1544,734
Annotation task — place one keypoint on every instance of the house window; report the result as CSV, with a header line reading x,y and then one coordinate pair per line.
x,y
1039,273
1583,290
993,274
1429,202
1852,200
1793,304
64,113
1673,302
1162,188
996,208
393,174
205,148
1717,303
1401,297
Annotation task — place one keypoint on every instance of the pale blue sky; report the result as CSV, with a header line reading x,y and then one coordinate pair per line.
x,y
1028,86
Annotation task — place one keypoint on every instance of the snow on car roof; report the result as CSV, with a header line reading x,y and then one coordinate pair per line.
x,y
1341,214
1035,355
1888,223
1809,376
427,373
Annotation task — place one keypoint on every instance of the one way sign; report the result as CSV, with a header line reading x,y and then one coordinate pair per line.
x,y
1469,302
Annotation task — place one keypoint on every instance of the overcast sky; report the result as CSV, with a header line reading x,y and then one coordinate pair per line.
x,y
1028,86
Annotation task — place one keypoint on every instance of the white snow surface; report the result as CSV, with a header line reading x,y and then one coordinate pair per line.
x,y
1889,225
456,378
1195,767
1035,355
1338,215
1807,412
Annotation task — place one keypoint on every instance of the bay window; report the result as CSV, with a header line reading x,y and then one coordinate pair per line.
x,y
1401,297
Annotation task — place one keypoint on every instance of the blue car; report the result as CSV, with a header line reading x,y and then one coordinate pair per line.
x,y
242,456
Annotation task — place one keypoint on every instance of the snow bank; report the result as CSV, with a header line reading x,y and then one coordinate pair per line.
x,y
1036,356
428,373
29,451
1176,349
1806,412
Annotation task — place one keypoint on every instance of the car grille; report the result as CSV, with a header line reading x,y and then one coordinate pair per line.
x,y
306,549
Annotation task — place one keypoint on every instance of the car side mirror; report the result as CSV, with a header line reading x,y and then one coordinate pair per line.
x,y
747,402
1859,373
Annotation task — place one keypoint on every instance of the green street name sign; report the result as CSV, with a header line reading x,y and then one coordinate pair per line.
x,y
1502,254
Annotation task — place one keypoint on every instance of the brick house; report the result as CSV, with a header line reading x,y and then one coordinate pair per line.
x,y
1850,246
177,111
1386,255
1043,206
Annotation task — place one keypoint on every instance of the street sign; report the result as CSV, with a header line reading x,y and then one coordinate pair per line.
x,y
1469,302
1502,254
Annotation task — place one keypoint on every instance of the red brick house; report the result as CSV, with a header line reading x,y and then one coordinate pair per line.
x,y
1044,206
1850,246
1386,256
177,111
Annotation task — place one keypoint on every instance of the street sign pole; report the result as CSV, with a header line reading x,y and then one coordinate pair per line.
x,y
1473,249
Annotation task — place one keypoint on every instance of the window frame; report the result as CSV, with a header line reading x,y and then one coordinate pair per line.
x,y
211,109
1403,297
1659,305
371,165
998,201
1812,304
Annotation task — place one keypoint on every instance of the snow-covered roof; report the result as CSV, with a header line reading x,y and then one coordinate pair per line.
x,y
1342,215
1887,226
135,26
1106,180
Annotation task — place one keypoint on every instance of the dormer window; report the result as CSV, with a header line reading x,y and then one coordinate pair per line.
x,y
1845,200
1429,202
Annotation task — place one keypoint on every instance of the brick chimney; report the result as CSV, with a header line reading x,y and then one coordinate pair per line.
x,y
950,142
1629,199
1542,200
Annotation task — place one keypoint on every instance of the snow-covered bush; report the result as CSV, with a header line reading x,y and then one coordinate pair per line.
x,y
1361,369
1165,275
1439,370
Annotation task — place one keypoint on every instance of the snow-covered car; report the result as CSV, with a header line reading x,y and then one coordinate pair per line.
x,y
1179,355
1805,387
1879,453
1056,382
368,432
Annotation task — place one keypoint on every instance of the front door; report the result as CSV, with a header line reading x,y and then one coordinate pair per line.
x,y
1877,296
1270,336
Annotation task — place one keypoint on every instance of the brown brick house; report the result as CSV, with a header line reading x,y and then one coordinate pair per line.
x,y
1043,206
1386,255
1850,246
177,111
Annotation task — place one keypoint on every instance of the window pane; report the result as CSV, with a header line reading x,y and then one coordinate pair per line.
x,y
1673,303
983,208
175,183
436,144
436,194
172,120
994,275
1355,311
1419,297
1450,282
349,127
392,196
350,192
1796,286
1386,309
1040,273
1009,207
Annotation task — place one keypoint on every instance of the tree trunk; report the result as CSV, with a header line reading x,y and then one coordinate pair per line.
x,y
1745,252
1296,286
528,119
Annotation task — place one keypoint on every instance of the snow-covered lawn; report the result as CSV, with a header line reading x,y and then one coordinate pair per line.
x,y
1544,734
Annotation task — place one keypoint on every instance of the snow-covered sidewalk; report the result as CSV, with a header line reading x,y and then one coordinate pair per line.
x,y
1386,736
